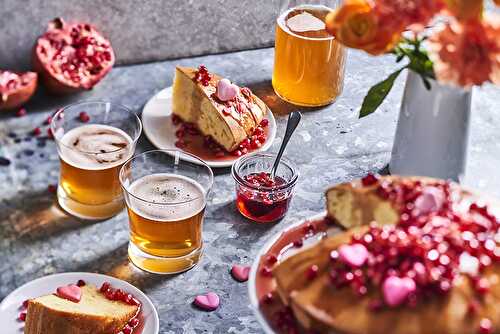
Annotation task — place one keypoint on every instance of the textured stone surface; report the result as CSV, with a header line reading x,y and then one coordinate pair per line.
x,y
142,31
330,146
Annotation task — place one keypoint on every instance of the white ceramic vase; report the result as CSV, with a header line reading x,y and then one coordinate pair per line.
x,y
432,132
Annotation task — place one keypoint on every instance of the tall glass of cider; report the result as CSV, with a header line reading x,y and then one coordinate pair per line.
x,y
94,139
308,62
166,198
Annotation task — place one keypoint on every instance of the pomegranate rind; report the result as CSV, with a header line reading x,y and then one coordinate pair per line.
x,y
15,98
53,77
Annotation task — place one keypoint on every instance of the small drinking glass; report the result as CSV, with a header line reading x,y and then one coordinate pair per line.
x,y
256,200
166,199
308,61
94,139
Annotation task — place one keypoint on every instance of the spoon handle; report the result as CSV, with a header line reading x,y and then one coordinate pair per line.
x,y
291,125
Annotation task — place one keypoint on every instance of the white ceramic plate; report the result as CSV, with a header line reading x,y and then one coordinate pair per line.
x,y
252,291
159,129
10,306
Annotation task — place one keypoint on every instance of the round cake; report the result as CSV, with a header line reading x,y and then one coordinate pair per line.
x,y
418,255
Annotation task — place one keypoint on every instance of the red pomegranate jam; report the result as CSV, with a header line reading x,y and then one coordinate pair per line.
x,y
261,202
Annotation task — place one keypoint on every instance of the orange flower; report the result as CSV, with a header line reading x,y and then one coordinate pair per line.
x,y
467,54
466,9
356,25
401,14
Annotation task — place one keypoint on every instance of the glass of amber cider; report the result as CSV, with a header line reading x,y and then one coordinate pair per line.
x,y
94,139
166,199
308,62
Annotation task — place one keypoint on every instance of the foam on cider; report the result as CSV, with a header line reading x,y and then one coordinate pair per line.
x,y
169,189
306,21
95,147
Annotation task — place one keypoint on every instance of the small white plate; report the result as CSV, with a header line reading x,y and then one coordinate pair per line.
x,y
159,129
10,306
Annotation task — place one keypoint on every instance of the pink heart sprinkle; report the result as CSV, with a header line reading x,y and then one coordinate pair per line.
x,y
226,91
208,302
353,255
240,273
431,200
396,290
70,292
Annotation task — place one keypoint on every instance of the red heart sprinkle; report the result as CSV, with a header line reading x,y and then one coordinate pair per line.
x,y
70,292
208,302
240,273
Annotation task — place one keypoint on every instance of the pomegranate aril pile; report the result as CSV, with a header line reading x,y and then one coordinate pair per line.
x,y
202,75
119,295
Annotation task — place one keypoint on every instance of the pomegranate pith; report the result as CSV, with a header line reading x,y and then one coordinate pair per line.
x,y
16,88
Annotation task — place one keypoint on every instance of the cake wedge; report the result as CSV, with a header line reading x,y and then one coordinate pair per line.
x,y
94,313
219,109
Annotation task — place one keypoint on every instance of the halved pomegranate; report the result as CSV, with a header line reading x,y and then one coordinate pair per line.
x,y
16,88
72,56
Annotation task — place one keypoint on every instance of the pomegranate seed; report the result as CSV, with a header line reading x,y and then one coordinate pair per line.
x,y
312,272
105,287
120,295
262,139
268,298
127,329
50,134
258,131
21,112
84,117
25,303
264,122
255,144
369,180
180,133
485,326
48,120
176,120
36,131
133,322
245,143
52,188
80,283
473,307
22,316
334,255
266,271
180,144
237,153
309,228
298,243
110,294
271,259
482,286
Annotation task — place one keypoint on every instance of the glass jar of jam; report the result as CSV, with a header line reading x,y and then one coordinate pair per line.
x,y
258,197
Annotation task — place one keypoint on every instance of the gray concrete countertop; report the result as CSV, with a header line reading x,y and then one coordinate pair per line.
x,y
330,146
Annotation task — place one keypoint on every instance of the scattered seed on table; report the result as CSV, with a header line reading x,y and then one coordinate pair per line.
x,y
4,161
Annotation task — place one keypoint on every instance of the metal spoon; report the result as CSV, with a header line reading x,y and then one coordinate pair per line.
x,y
291,125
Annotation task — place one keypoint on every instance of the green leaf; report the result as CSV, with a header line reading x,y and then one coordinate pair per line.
x,y
377,94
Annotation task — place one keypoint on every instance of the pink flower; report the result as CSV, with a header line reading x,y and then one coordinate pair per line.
x,y
467,54
401,14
